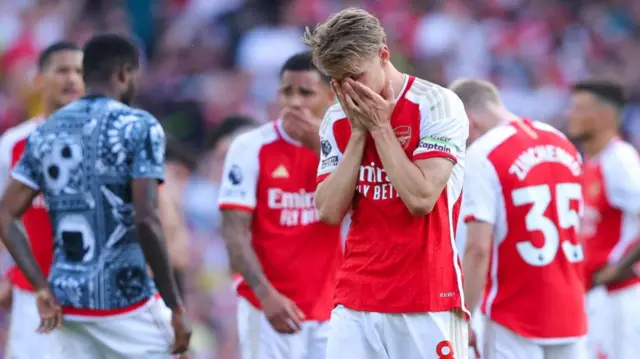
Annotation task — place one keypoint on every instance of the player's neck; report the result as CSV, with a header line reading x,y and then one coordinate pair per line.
x,y
101,90
594,145
396,77
48,109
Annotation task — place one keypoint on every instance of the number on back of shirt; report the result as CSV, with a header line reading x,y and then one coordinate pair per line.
x,y
539,197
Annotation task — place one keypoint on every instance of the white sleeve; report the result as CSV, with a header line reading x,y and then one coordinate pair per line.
x,y
240,174
480,190
444,127
330,154
621,174
5,161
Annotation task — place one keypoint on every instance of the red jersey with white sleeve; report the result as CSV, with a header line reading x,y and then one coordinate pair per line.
x,y
611,225
395,262
525,179
272,176
35,218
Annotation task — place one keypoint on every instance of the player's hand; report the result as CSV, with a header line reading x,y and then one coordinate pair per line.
x,y
372,110
305,127
282,313
6,294
182,332
50,311
607,275
473,342
356,124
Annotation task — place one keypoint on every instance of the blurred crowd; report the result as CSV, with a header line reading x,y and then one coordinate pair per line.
x,y
207,59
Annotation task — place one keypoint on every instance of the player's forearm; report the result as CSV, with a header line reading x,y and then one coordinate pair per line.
x,y
334,195
627,262
154,247
243,260
17,244
475,267
410,183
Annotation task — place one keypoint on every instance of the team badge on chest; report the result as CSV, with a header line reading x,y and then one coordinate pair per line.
x,y
403,134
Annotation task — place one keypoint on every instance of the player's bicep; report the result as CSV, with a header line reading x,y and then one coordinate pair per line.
x,y
236,225
238,189
144,192
149,150
17,198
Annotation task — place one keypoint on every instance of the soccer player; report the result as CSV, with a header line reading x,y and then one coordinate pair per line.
x,y
393,152
97,163
611,226
521,205
287,258
60,78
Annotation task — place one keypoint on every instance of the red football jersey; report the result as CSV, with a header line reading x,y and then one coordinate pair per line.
x,y
612,203
395,262
525,178
272,176
35,218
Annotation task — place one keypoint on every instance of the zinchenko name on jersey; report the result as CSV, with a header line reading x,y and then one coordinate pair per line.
x,y
534,156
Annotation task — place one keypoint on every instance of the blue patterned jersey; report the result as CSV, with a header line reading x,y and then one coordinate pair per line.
x,y
84,159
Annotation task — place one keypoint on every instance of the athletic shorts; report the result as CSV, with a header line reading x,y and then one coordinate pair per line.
x,y
23,341
368,335
501,343
625,321
258,340
144,333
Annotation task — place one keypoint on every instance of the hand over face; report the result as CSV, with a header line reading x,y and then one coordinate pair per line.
x,y
371,110
302,125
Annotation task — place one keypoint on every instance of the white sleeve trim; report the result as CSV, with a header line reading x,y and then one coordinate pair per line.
x,y
24,180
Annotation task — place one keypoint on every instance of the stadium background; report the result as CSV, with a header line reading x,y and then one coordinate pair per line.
x,y
206,59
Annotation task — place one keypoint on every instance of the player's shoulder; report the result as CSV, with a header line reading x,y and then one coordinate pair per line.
x,y
430,95
333,114
618,157
252,141
490,141
17,133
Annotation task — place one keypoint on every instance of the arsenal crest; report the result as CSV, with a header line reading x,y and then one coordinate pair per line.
x,y
403,134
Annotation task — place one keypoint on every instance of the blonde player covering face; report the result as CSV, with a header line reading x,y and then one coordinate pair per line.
x,y
399,141
521,205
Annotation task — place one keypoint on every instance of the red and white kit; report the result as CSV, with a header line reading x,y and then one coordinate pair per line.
x,y
399,290
24,314
610,227
524,178
272,176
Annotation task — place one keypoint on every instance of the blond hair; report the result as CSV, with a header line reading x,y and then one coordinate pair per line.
x,y
344,40
476,93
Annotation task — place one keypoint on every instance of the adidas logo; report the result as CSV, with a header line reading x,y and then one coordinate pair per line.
x,y
280,172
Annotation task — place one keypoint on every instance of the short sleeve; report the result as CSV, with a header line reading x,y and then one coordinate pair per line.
x,y
621,173
330,154
28,170
240,174
444,127
149,149
481,189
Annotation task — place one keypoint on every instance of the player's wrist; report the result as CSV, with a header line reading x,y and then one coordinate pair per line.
x,y
382,131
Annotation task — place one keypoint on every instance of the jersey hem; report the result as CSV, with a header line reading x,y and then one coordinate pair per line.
x,y
235,207
388,310
541,340
82,313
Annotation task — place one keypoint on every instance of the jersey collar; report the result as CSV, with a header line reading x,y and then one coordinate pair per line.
x,y
284,135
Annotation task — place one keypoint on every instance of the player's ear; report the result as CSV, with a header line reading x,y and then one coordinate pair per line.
x,y
384,54
38,81
121,75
